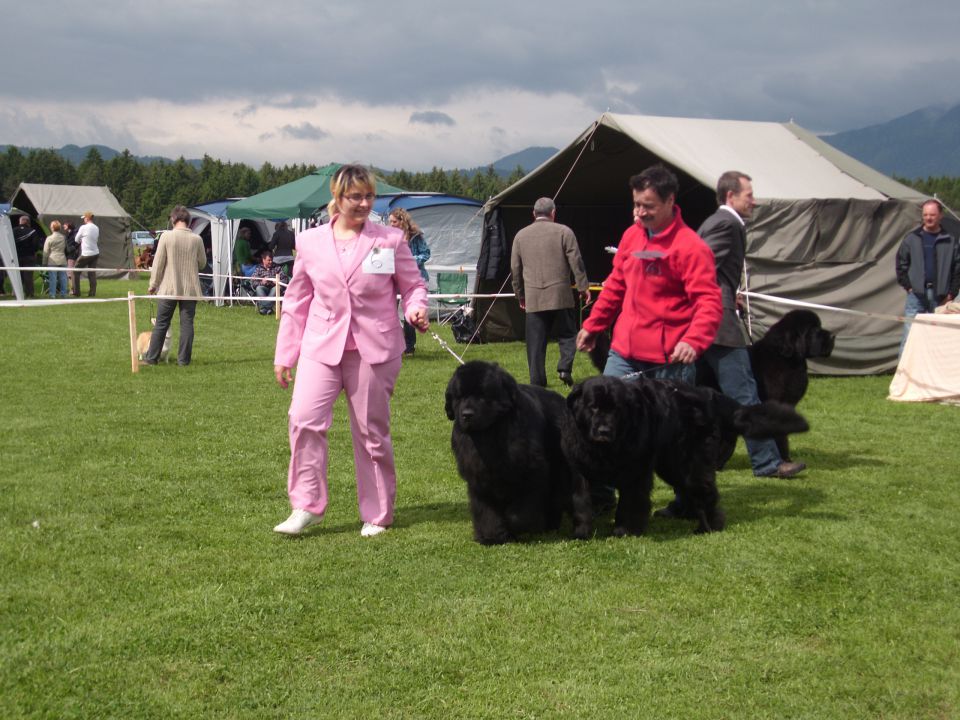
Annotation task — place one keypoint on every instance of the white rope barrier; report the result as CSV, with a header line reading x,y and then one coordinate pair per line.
x,y
860,313
44,302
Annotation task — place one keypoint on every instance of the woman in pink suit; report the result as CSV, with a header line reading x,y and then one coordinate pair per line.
x,y
339,327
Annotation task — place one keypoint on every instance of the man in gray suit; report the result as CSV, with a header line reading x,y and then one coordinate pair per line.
x,y
544,255
725,233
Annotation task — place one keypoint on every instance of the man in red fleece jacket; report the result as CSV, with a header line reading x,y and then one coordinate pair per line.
x,y
662,294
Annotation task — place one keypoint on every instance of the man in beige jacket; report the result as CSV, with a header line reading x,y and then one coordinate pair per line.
x,y
544,255
179,259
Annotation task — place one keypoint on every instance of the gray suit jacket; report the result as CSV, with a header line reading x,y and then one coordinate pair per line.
x,y
727,238
543,256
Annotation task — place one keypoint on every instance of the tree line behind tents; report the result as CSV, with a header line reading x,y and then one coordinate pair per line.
x,y
148,191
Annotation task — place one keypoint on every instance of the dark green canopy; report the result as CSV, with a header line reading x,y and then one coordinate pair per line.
x,y
300,198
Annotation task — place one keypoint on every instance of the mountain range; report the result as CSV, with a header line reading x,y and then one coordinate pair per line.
x,y
921,144
924,143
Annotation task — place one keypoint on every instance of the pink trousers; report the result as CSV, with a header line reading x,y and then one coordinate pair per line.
x,y
368,389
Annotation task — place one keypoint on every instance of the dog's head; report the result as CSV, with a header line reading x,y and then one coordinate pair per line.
x,y
603,410
799,334
479,394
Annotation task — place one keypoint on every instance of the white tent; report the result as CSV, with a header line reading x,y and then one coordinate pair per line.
x,y
826,229
8,255
210,221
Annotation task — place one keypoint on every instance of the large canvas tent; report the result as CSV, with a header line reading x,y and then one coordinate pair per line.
x,y
825,231
68,202
452,227
298,199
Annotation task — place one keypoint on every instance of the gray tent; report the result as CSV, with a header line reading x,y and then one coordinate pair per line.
x,y
68,202
826,228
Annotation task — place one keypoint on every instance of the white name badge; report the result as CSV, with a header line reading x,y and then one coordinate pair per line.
x,y
379,261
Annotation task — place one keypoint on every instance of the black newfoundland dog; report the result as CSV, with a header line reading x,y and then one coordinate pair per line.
x,y
624,431
779,361
507,441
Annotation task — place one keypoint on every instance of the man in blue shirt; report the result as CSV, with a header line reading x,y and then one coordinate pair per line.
x,y
928,265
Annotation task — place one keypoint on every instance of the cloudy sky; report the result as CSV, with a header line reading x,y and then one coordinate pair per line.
x,y
425,83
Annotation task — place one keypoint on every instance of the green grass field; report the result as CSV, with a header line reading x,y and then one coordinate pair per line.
x,y
140,577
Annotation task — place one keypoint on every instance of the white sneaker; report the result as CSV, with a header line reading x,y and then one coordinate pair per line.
x,y
298,521
369,530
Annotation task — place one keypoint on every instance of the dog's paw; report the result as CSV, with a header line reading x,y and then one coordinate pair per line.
x,y
714,522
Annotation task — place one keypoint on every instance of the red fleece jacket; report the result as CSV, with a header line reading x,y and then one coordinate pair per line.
x,y
665,291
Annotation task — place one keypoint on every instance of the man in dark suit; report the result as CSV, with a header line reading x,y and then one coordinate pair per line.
x,y
544,255
725,233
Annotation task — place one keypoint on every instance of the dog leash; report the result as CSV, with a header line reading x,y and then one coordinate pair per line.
x,y
643,373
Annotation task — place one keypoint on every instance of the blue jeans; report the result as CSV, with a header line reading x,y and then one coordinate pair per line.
x,y
914,306
58,282
619,366
731,365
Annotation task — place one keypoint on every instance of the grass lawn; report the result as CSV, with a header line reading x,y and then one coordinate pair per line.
x,y
140,577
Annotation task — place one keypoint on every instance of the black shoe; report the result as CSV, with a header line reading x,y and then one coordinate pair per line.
x,y
148,362
786,470
566,378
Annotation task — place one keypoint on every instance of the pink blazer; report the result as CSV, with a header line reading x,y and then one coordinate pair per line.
x,y
324,300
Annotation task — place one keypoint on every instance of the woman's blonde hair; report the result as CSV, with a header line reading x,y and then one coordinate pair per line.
x,y
347,178
55,226
409,227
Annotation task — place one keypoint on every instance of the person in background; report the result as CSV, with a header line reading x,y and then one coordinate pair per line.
x,y
928,266
72,250
544,257
400,218
180,257
54,257
339,327
242,256
264,280
88,236
26,238
281,246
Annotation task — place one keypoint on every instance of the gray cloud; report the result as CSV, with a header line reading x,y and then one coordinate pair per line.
x,y
432,117
294,103
304,131
831,65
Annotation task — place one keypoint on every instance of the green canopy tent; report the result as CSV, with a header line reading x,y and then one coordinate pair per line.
x,y
298,199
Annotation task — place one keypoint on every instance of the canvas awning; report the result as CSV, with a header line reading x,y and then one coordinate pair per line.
x,y
298,199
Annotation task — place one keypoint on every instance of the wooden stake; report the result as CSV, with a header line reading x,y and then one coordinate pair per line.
x,y
132,317
276,306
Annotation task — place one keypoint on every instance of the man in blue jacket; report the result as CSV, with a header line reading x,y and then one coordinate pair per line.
x,y
928,265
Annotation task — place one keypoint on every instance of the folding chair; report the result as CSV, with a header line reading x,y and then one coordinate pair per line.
x,y
451,283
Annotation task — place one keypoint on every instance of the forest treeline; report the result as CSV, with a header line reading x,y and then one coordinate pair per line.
x,y
148,191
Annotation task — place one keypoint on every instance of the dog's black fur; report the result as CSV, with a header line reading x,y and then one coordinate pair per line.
x,y
625,430
779,362
506,439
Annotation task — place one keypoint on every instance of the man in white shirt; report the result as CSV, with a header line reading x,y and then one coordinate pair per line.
x,y
89,238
